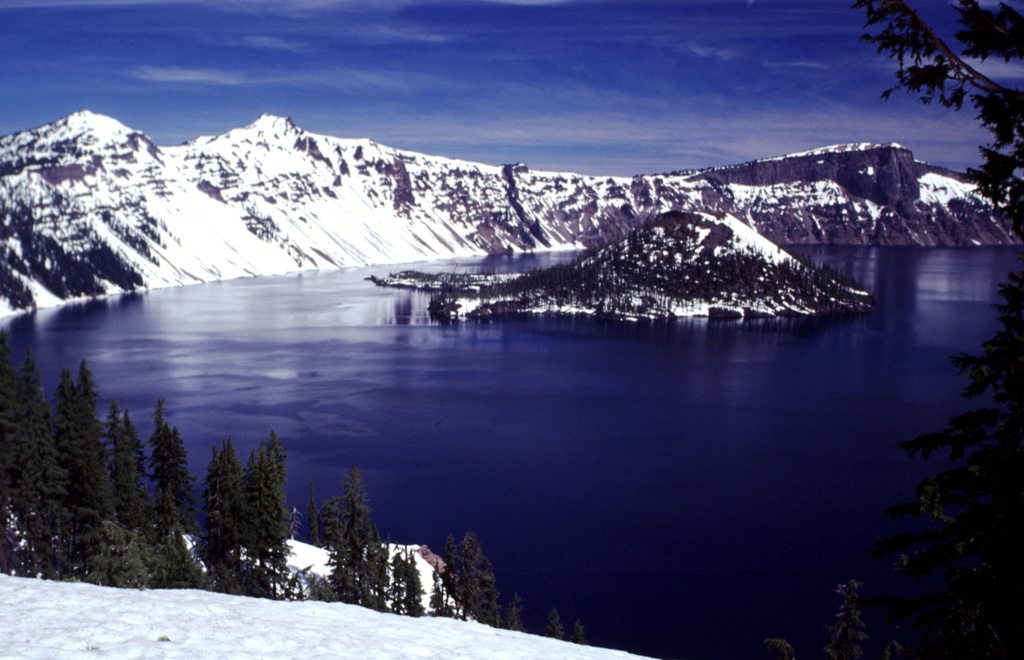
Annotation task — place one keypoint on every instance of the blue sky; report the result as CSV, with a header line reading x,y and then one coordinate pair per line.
x,y
615,87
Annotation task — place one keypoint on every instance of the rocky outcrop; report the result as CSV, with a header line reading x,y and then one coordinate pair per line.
x,y
855,194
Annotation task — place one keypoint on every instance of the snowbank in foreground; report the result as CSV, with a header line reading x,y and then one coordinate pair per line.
x,y
44,620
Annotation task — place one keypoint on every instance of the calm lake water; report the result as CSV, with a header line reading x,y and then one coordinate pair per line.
x,y
686,489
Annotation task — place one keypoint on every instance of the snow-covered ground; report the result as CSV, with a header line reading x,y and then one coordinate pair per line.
x,y
45,620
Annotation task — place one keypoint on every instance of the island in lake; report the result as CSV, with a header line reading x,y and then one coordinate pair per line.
x,y
677,264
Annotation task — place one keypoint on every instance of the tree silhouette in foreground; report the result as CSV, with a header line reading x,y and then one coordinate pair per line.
x,y
932,69
974,510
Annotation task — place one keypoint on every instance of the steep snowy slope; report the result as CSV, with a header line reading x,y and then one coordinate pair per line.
x,y
45,620
89,206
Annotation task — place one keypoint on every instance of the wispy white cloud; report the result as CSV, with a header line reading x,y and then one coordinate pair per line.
x,y
336,78
721,54
274,43
278,6
176,74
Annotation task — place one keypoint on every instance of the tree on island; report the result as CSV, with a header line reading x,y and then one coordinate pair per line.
x,y
968,519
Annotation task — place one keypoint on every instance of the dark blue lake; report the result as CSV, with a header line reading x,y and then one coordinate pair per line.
x,y
686,489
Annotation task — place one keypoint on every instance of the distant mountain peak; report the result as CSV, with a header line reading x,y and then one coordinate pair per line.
x,y
273,125
86,121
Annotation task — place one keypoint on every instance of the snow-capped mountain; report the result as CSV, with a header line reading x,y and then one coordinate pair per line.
x,y
89,206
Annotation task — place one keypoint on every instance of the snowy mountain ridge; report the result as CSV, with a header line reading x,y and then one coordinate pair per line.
x,y
90,206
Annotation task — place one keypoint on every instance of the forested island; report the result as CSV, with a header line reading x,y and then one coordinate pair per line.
x,y
678,264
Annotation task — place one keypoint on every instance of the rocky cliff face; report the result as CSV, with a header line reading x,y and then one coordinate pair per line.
x,y
854,194
90,206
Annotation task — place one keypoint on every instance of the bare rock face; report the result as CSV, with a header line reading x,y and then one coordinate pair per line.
x,y
89,206
856,194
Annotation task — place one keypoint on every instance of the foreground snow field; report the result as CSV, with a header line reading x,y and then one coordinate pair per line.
x,y
46,620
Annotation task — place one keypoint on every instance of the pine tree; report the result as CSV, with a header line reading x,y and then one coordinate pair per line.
x,y
267,540
406,593
354,544
175,567
973,511
174,501
578,636
489,612
554,627
436,594
475,587
42,488
450,605
512,620
126,559
313,518
848,630
377,583
780,647
78,433
413,587
226,520
9,449
132,506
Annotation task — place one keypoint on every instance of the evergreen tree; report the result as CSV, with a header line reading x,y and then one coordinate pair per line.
x,y
450,605
413,587
578,636
9,449
226,520
378,580
475,587
354,544
78,433
279,457
436,594
267,540
848,630
174,501
175,567
313,518
406,593
554,627
781,648
42,486
126,559
132,506
973,511
512,620
489,612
